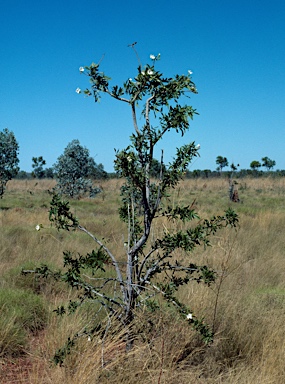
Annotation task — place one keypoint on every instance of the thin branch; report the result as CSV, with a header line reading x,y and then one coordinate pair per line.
x,y
94,291
135,118
144,261
116,97
112,257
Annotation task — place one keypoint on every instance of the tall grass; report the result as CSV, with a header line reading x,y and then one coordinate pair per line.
x,y
245,306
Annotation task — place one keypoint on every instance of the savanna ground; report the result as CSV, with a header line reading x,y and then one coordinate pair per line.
x,y
246,305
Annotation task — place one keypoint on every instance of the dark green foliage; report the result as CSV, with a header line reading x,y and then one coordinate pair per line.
x,y
60,214
61,353
38,167
254,165
9,150
268,163
222,162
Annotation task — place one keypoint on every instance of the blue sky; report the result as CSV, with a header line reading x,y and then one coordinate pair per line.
x,y
236,50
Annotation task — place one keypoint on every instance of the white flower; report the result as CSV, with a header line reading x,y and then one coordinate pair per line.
x,y
189,316
89,338
130,79
198,146
150,72
38,227
190,72
129,159
143,73
78,90
152,57
81,69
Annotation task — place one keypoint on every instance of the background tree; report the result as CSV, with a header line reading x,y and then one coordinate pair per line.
x,y
49,173
268,163
9,150
72,170
156,168
207,173
254,165
97,171
222,162
151,266
38,167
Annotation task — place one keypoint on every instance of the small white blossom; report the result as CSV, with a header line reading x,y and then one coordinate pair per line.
x,y
89,338
152,57
130,79
143,73
189,316
150,72
190,72
38,227
78,90
198,146
129,159
81,69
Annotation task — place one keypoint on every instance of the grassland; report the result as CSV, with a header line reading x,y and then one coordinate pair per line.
x,y
246,306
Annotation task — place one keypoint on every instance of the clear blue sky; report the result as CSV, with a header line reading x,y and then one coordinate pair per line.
x,y
236,50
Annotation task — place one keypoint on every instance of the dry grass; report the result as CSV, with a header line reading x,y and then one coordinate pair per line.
x,y
246,305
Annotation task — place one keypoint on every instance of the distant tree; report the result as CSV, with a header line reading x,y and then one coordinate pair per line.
x,y
9,150
222,162
268,163
22,175
72,170
38,163
97,171
207,173
254,165
156,168
196,173
49,173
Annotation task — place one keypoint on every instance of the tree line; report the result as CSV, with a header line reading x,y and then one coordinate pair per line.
x,y
75,168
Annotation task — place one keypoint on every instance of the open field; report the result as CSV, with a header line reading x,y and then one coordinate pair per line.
x,y
246,306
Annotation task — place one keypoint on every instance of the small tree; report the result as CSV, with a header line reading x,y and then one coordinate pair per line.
x,y
72,170
222,162
254,165
152,266
9,150
268,163
38,167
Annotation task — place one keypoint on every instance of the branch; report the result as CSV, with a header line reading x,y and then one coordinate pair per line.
x,y
112,257
135,118
144,261
94,291
116,97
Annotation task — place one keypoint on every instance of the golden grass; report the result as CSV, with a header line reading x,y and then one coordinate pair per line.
x,y
246,304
